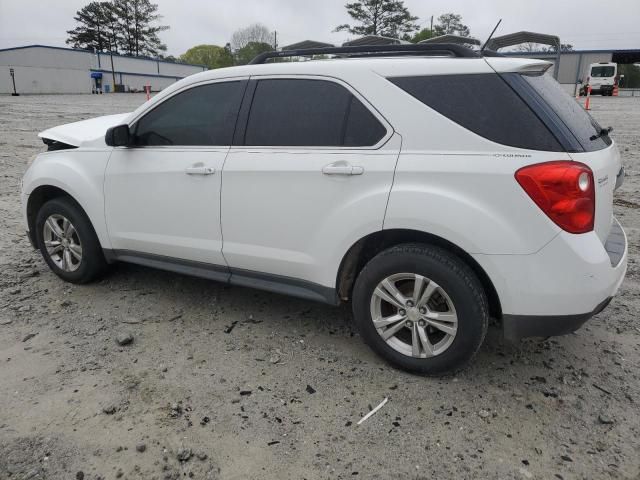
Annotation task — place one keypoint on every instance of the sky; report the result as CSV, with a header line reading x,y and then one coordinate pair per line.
x,y
586,24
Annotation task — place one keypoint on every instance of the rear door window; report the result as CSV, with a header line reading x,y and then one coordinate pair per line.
x,y
484,104
308,112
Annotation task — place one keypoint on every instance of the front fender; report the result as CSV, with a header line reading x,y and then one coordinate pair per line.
x,y
80,174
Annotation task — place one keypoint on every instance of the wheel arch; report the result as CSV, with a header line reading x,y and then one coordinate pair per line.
x,y
41,195
369,246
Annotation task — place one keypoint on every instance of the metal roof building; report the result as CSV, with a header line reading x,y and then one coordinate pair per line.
x,y
573,66
39,69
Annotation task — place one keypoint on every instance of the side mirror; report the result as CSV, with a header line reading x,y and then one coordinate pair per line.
x,y
118,136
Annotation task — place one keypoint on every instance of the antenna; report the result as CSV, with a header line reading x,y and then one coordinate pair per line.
x,y
491,36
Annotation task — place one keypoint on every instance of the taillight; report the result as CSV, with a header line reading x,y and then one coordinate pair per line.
x,y
564,191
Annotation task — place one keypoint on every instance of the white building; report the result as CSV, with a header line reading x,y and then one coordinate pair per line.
x,y
43,69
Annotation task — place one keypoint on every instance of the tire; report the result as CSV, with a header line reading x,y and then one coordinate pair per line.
x,y
91,263
441,272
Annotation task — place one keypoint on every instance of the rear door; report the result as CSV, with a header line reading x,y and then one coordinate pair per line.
x,y
308,155
603,74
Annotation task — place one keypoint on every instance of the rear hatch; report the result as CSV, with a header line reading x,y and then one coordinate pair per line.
x,y
602,75
583,137
590,145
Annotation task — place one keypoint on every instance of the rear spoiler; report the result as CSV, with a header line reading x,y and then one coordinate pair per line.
x,y
517,65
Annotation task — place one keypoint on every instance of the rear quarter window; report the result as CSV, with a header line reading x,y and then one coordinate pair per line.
x,y
582,125
484,104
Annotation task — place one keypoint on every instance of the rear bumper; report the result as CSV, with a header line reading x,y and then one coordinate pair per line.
x,y
601,89
555,290
517,327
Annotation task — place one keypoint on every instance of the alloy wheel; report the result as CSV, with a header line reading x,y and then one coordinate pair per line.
x,y
62,243
414,315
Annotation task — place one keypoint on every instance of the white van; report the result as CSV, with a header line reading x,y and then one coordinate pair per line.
x,y
602,77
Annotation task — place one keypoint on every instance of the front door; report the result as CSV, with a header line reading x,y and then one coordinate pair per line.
x,y
162,194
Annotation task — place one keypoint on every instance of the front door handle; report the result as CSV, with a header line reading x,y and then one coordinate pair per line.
x,y
200,170
340,168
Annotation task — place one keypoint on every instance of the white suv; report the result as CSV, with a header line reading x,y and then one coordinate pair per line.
x,y
432,191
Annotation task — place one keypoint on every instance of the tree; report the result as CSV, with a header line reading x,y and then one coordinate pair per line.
x,y
119,25
97,29
251,50
212,56
170,58
528,47
564,47
537,47
138,33
255,33
424,34
450,24
388,18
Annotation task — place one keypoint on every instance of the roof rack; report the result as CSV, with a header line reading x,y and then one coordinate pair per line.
x,y
434,49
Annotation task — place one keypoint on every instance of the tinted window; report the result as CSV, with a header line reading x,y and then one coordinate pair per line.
x,y
362,128
203,115
294,112
597,72
578,121
484,104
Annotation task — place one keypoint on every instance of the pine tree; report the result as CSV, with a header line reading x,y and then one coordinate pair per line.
x,y
128,26
388,18
97,29
138,32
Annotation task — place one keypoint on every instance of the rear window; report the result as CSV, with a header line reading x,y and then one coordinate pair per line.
x,y
599,72
484,104
582,125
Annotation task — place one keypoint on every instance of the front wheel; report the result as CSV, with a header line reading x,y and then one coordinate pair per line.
x,y
421,308
68,241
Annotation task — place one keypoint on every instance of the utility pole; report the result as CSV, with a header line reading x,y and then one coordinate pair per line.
x,y
275,40
431,26
13,79
113,72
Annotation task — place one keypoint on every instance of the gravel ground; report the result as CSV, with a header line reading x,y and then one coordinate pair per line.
x,y
227,382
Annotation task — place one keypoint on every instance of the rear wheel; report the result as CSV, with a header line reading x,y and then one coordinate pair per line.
x,y
68,242
421,308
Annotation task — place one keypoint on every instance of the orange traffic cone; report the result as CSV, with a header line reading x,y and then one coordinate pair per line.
x,y
615,91
587,104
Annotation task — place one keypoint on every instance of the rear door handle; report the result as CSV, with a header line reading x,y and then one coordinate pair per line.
x,y
200,170
342,169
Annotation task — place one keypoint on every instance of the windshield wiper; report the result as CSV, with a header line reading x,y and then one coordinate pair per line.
x,y
602,133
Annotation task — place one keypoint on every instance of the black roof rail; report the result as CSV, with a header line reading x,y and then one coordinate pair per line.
x,y
439,49
491,53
